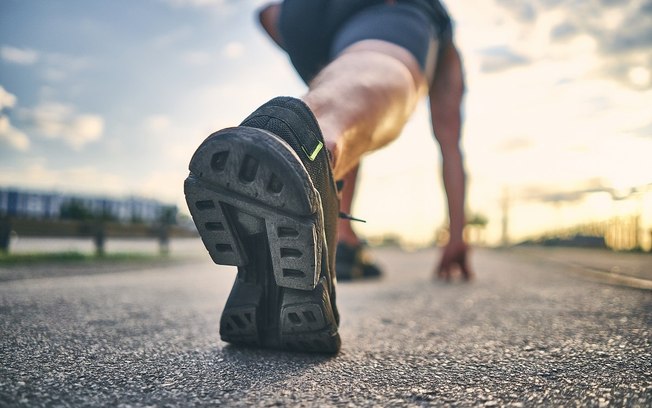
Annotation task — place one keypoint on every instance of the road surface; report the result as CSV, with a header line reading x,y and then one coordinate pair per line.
x,y
526,332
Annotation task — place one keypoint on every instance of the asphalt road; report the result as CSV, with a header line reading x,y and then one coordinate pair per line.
x,y
525,333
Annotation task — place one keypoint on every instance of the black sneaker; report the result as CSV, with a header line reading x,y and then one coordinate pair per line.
x,y
263,199
353,263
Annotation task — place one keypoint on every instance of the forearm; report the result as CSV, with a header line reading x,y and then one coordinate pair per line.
x,y
454,179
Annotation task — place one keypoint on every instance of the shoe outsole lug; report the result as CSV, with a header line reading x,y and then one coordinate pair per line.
x,y
239,323
307,320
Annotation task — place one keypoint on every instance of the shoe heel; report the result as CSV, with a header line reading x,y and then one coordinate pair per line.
x,y
244,180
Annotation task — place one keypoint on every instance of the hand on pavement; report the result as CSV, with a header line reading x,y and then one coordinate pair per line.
x,y
454,258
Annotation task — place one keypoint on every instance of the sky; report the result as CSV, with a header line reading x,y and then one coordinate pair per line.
x,y
113,98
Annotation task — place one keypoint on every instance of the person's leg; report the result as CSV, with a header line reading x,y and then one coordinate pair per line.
x,y
363,98
367,84
352,259
345,232
362,101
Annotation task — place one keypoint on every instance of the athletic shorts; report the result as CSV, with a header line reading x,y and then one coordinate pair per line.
x,y
314,32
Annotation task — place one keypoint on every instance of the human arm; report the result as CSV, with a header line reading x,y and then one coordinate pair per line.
x,y
446,93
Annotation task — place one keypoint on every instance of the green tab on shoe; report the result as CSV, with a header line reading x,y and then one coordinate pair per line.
x,y
314,153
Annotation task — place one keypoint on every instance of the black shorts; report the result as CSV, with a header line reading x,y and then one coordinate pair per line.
x,y
314,32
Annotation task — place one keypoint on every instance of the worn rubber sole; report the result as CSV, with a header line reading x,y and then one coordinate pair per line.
x,y
255,207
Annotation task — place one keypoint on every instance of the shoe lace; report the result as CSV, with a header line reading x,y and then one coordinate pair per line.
x,y
340,185
349,217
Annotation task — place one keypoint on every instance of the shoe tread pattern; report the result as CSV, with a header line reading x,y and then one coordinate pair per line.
x,y
246,183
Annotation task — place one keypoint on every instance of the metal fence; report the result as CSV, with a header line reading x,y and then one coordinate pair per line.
x,y
16,203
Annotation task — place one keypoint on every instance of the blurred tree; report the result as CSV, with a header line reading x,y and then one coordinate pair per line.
x,y
168,215
475,226
74,209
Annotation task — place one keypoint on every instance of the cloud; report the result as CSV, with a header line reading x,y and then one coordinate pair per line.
x,y
59,67
548,194
197,57
87,179
196,3
173,37
12,136
60,121
223,8
645,131
157,123
498,59
21,56
620,31
551,196
84,129
628,30
522,10
221,4
233,50
564,31
7,99
515,144
9,134
639,76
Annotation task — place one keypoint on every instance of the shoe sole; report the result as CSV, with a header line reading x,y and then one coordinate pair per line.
x,y
255,208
